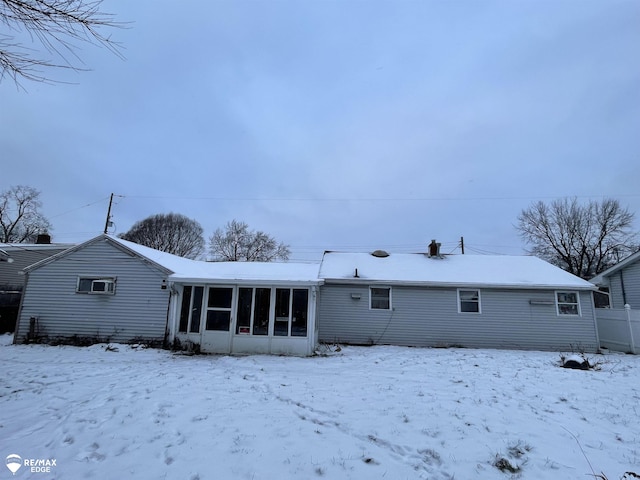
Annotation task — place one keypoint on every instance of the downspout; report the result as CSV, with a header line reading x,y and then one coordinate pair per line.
x,y
24,289
624,293
165,343
595,322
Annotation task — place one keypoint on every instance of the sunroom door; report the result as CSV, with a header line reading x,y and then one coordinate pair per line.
x,y
216,335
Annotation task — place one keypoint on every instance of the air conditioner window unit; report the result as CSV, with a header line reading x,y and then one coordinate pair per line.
x,y
102,285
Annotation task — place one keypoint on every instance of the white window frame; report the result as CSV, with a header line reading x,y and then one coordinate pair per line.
x,y
107,280
289,319
479,300
190,316
382,287
577,303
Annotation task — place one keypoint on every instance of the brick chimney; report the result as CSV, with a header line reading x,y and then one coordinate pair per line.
x,y
43,239
434,249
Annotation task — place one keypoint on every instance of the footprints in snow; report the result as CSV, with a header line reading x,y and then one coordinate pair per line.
x,y
425,459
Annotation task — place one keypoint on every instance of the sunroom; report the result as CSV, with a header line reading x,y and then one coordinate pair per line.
x,y
246,308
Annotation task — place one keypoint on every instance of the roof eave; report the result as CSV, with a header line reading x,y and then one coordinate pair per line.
x,y
243,281
600,278
402,283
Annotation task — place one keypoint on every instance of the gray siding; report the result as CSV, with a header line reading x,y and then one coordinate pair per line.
x,y
615,291
631,275
138,310
429,317
10,273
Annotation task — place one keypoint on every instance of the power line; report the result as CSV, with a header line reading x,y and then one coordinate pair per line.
x,y
79,208
373,199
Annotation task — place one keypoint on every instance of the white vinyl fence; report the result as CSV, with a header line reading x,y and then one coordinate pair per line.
x,y
619,329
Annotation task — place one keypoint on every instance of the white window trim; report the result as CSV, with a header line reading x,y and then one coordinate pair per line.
x,y
390,297
95,278
579,314
479,301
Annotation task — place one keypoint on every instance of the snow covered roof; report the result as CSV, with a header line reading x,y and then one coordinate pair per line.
x,y
253,272
448,270
186,270
168,261
600,278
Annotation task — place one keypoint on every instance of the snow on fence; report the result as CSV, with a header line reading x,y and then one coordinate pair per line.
x,y
619,329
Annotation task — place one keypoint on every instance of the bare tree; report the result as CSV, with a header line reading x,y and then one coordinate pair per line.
x,y
581,239
172,233
236,243
58,25
20,217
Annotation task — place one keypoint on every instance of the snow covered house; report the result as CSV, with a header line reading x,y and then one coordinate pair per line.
x,y
482,301
13,258
109,289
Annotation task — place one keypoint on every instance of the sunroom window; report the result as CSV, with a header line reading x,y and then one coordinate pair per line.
x,y
219,309
291,312
253,311
191,309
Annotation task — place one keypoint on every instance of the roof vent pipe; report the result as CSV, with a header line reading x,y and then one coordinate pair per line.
x,y
434,249
355,275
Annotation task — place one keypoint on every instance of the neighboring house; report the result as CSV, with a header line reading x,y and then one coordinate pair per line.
x,y
622,281
13,258
619,328
109,289
480,301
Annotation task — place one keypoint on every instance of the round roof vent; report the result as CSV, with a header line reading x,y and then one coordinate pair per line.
x,y
380,254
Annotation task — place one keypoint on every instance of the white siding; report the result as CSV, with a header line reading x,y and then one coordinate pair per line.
x,y
137,311
429,317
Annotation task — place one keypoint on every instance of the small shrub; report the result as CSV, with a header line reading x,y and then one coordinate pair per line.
x,y
519,449
187,347
504,465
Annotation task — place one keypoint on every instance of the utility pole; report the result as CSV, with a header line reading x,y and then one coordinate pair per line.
x,y
106,223
462,244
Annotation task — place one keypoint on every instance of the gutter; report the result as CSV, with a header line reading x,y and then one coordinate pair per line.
x,y
510,286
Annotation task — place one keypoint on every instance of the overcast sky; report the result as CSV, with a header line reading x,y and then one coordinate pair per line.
x,y
337,125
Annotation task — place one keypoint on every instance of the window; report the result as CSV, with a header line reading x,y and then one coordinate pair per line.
x,y
191,309
254,306
468,301
291,312
261,308
568,303
380,298
283,308
245,298
219,309
96,285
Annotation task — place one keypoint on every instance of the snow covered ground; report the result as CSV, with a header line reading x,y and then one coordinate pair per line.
x,y
360,413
